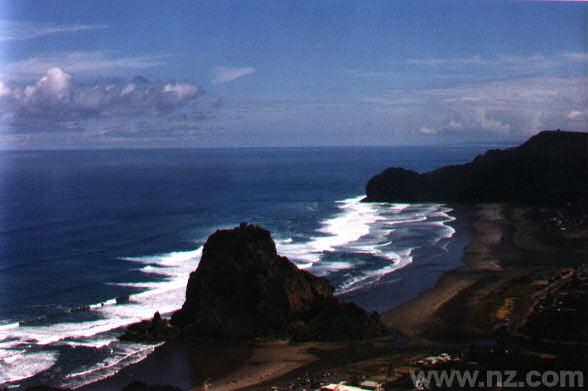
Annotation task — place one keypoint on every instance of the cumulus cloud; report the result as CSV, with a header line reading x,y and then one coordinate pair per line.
x,y
78,62
428,130
20,31
578,115
227,74
504,108
57,101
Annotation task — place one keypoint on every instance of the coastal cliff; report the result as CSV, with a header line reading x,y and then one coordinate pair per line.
x,y
549,169
243,290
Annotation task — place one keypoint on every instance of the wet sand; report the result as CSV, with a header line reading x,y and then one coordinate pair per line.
x,y
267,362
239,367
416,316
228,367
181,365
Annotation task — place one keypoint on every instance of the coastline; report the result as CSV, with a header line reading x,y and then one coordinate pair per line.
x,y
482,302
426,269
416,316
465,306
223,367
180,365
231,367
495,291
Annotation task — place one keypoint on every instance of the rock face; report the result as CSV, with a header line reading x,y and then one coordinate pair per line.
x,y
157,329
243,290
549,169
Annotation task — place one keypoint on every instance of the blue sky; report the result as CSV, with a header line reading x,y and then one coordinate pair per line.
x,y
103,74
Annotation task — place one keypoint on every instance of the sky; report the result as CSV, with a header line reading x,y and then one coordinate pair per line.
x,y
150,74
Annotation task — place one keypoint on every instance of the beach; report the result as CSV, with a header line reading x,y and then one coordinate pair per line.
x,y
485,301
246,366
417,316
466,304
288,195
91,276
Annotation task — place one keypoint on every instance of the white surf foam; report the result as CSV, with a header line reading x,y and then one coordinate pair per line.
x,y
349,225
383,230
128,354
8,326
104,303
164,296
374,276
18,365
357,230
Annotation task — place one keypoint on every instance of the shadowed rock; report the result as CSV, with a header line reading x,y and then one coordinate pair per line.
x,y
243,290
550,169
156,329
138,385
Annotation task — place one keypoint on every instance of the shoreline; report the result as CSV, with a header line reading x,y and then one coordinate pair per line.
x,y
467,305
247,366
423,273
415,316
179,364
512,256
480,302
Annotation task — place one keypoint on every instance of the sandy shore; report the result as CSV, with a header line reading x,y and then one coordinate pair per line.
x,y
268,361
464,305
238,367
414,317
507,253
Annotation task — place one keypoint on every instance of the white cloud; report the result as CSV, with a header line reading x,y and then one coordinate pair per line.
x,y
20,31
578,115
512,65
56,100
97,62
504,108
493,125
580,57
428,130
54,84
183,90
227,74
4,89
474,60
537,60
454,125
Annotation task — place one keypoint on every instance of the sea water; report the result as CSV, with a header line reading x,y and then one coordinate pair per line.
x,y
91,241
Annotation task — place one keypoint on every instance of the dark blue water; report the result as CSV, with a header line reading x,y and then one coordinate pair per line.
x,y
79,228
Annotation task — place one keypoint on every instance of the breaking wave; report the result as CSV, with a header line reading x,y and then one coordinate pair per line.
x,y
355,248
368,241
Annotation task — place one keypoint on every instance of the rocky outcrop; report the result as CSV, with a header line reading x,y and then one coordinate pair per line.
x,y
156,329
550,169
243,290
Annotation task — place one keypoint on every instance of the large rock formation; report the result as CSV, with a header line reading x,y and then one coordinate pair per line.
x,y
243,290
550,169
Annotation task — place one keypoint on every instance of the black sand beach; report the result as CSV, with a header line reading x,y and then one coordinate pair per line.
x,y
190,366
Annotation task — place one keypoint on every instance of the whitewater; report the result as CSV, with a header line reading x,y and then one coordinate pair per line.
x,y
356,247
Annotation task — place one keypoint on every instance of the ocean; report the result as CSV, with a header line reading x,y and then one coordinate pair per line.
x,y
91,241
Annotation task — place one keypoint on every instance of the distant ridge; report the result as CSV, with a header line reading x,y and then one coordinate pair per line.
x,y
549,169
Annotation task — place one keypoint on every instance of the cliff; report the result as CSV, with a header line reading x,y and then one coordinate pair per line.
x,y
243,290
549,169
